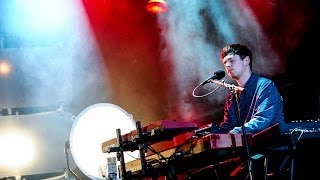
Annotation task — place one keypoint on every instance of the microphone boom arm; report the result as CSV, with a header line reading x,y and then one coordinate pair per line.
x,y
230,86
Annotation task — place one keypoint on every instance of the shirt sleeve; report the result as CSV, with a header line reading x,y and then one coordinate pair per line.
x,y
267,108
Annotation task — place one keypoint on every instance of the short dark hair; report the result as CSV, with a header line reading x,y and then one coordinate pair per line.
x,y
238,49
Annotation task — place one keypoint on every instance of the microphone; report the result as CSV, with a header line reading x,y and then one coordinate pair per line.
x,y
216,76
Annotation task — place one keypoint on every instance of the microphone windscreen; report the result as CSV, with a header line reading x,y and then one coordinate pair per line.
x,y
219,74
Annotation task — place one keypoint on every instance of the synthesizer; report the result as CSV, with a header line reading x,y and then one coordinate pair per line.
x,y
200,148
163,130
304,129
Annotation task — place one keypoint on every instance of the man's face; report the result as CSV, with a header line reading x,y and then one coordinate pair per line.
x,y
234,65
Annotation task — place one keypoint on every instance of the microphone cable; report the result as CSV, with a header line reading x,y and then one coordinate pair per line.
x,y
200,96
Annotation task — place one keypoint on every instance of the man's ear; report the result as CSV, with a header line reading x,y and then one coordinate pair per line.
x,y
246,60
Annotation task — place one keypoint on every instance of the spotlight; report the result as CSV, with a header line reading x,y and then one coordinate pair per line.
x,y
93,126
156,6
5,67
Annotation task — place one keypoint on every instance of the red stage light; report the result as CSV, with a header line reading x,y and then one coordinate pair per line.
x,y
157,6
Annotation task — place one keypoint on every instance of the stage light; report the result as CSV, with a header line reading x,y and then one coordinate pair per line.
x,y
17,150
93,126
4,67
157,6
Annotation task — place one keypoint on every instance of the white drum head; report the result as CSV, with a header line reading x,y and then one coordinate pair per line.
x,y
93,126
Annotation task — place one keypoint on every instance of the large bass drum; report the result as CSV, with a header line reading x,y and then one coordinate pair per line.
x,y
93,126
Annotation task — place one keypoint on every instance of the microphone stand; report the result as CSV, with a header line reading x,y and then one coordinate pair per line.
x,y
120,155
142,148
234,91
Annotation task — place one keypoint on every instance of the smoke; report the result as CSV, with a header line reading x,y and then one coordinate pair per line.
x,y
62,71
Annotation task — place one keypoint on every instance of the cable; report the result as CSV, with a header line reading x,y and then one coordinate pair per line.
x,y
297,129
161,157
199,96
178,152
126,152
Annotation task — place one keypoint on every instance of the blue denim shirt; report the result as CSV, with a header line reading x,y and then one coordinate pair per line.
x,y
260,104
